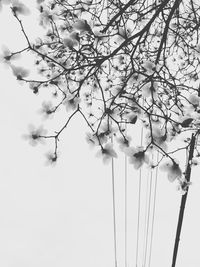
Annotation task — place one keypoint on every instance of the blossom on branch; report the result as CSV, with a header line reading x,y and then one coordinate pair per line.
x,y
7,56
36,135
71,103
92,140
71,40
6,2
137,156
19,8
173,170
19,72
135,69
82,26
194,100
52,158
107,153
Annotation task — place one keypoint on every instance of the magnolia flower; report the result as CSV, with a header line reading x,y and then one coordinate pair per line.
x,y
19,8
124,142
47,109
124,32
186,121
130,117
46,17
71,40
149,89
35,135
159,137
92,139
82,26
19,72
137,156
149,67
136,77
51,158
74,36
194,162
106,129
7,56
107,152
71,102
34,86
173,170
194,99
4,2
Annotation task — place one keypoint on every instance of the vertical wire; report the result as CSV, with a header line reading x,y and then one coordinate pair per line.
x,y
126,213
139,206
153,216
148,219
114,212
145,219
113,175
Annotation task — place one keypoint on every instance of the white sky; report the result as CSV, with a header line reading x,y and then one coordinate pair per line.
x,y
62,216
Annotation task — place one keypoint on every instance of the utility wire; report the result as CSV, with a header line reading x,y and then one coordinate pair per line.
x,y
153,215
138,218
126,208
145,219
114,212
148,218
139,205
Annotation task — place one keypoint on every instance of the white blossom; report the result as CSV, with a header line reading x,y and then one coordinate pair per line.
x,y
19,72
71,103
92,140
82,26
40,1
6,2
173,170
194,99
19,8
149,67
137,156
159,137
124,142
7,56
71,40
150,90
107,153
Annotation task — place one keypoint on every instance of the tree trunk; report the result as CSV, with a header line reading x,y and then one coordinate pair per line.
x,y
183,201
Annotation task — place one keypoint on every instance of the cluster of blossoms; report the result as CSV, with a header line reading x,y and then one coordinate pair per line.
x,y
119,65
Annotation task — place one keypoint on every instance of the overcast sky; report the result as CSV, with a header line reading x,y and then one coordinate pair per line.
x,y
62,215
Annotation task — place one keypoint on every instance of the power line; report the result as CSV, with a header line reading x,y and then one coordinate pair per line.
x,y
126,214
139,205
148,218
153,215
114,212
